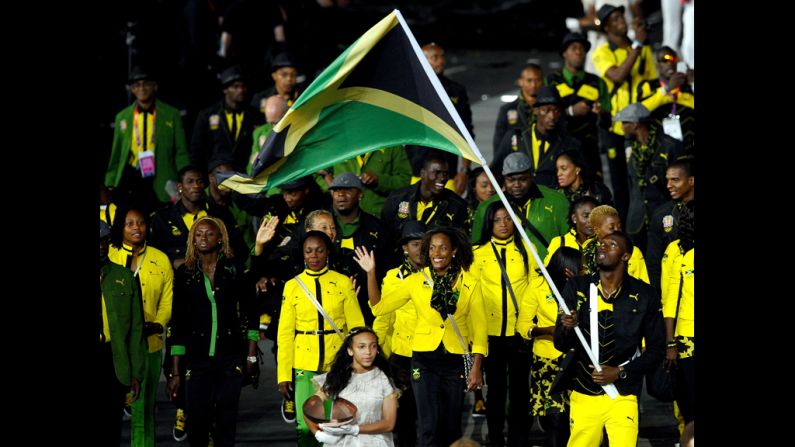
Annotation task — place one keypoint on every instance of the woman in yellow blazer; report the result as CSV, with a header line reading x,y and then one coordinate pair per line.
x,y
396,329
152,270
499,247
307,342
678,286
539,304
437,364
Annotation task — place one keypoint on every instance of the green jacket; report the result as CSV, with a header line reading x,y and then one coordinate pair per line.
x,y
171,150
260,135
125,322
548,212
392,167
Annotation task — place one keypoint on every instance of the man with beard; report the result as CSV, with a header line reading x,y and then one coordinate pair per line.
x,y
584,96
542,210
627,312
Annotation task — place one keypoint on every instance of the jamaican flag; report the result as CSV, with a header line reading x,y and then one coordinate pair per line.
x,y
380,92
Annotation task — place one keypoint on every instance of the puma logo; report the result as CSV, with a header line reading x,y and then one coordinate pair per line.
x,y
120,281
332,283
169,123
634,296
449,215
548,208
631,419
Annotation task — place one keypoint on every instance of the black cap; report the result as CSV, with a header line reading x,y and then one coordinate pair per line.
x,y
138,74
282,60
220,160
547,95
604,12
230,75
574,37
413,229
104,230
295,184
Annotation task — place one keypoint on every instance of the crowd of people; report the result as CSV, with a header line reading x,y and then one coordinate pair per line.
x,y
397,280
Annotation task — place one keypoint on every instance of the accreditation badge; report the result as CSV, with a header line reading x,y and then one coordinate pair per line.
x,y
672,127
668,223
403,210
146,163
513,116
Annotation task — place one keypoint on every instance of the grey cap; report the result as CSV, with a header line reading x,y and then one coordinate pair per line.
x,y
547,95
104,229
515,163
346,180
633,113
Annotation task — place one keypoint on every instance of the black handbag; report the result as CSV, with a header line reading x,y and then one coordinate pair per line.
x,y
661,382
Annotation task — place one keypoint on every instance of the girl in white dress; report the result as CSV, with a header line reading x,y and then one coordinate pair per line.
x,y
362,375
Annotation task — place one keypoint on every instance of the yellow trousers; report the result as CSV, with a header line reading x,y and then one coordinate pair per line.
x,y
589,414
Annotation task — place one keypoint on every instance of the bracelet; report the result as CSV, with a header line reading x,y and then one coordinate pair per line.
x,y
671,344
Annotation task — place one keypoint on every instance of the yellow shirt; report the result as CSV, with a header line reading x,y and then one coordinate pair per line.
x,y
395,330
486,271
432,328
569,240
604,58
107,211
157,280
189,218
677,267
304,351
238,117
138,137
539,302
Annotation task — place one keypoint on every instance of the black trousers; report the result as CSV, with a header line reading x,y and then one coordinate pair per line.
x,y
439,391
686,387
111,394
212,395
508,366
406,424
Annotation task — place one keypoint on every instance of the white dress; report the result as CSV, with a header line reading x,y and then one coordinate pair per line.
x,y
367,391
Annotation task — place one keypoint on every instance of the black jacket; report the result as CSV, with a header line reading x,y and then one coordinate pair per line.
x,y
169,233
647,184
663,229
546,173
637,314
516,115
191,319
213,138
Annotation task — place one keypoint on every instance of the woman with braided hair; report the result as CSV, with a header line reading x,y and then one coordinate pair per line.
x,y
450,315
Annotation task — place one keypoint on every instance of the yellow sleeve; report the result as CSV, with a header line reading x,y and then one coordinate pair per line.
x,y
553,247
529,307
163,315
394,299
669,279
382,326
353,313
477,315
286,335
651,67
603,59
638,266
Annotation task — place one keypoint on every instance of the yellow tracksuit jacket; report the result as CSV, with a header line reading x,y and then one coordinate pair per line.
x,y
432,328
314,352
498,305
157,285
539,302
395,330
676,267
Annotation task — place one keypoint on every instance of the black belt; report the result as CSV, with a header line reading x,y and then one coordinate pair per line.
x,y
326,332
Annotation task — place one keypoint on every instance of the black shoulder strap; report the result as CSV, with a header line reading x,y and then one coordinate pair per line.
x,y
505,278
533,230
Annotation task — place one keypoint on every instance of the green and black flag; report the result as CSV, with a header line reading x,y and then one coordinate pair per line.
x,y
380,92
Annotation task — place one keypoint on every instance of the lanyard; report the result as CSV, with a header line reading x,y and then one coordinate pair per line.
x,y
136,129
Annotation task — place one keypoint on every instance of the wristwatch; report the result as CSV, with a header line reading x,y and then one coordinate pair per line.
x,y
252,359
621,373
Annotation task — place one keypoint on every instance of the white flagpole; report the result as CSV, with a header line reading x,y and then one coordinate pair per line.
x,y
610,389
